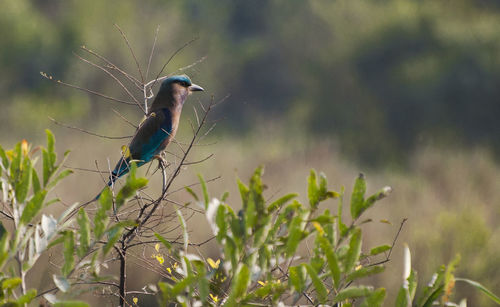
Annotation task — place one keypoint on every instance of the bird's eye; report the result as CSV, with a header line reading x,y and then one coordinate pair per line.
x,y
184,83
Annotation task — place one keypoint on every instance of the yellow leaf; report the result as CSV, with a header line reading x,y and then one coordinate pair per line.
x,y
160,258
169,270
125,151
135,300
385,222
358,267
318,228
157,247
213,264
24,147
214,298
262,283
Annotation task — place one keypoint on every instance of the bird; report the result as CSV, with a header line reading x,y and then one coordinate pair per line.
x,y
156,131
160,126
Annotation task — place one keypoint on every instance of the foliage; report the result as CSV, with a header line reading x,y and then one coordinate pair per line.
x,y
262,245
28,233
261,262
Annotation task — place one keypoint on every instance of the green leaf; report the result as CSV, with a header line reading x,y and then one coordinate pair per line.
x,y
295,233
297,277
84,223
382,193
317,283
354,251
312,189
365,271
224,197
5,160
331,258
243,192
203,282
481,288
132,184
51,143
280,202
256,190
15,165
11,283
250,215
114,234
23,183
412,284
436,282
342,228
59,177
220,221
33,206
376,299
379,249
4,246
47,166
101,218
68,251
71,304
163,241
352,292
204,190
263,230
357,197
190,191
437,293
27,298
239,285
35,181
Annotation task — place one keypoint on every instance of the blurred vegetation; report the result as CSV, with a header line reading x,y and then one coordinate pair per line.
x,y
380,77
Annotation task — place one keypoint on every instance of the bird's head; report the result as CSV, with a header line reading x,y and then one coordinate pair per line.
x,y
179,86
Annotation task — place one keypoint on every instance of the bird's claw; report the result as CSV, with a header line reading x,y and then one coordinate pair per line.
x,y
161,160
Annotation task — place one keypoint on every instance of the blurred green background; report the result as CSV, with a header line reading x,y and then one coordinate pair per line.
x,y
405,91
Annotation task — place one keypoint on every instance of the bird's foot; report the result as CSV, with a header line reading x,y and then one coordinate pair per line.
x,y
161,160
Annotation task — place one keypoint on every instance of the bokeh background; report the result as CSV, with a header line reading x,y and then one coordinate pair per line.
x,y
404,91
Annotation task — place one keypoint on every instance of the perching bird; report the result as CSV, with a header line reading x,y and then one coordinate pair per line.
x,y
160,125
157,130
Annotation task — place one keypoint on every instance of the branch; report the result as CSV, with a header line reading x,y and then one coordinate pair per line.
x,y
88,132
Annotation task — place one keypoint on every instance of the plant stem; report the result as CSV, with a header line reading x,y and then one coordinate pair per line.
x,y
123,274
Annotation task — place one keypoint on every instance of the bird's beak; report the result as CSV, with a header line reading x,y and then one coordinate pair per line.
x,y
195,88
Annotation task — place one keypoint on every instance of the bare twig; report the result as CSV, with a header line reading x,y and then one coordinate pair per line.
x,y
131,51
388,258
131,78
86,90
90,133
171,57
114,78
152,51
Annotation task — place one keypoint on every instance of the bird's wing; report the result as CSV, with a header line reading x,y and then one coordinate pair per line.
x,y
148,137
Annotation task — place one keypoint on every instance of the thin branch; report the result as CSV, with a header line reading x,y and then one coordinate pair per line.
x,y
131,78
114,78
131,51
152,51
388,258
86,90
171,57
90,133
124,118
189,66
